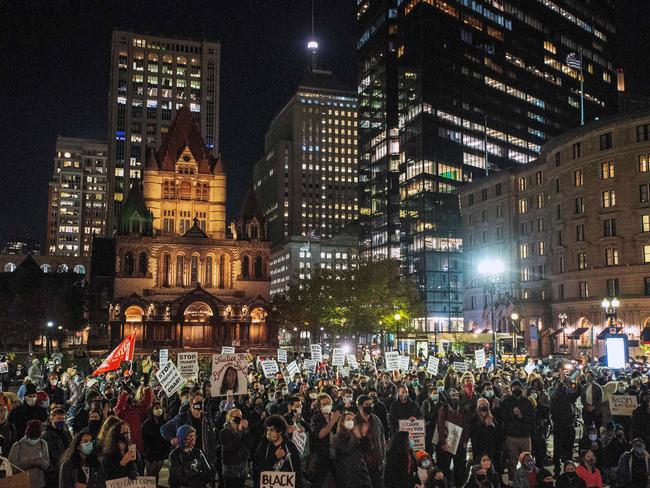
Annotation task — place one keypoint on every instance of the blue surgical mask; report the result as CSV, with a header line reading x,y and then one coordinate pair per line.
x,y
411,444
593,437
87,447
33,442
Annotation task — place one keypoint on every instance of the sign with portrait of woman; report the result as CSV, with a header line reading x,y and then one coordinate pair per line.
x,y
229,374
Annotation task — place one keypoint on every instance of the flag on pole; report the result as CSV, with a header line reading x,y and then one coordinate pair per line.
x,y
574,61
485,317
123,352
510,309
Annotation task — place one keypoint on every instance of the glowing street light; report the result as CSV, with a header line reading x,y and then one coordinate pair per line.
x,y
491,269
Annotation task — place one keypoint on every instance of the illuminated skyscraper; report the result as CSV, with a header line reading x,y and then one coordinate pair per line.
x,y
151,78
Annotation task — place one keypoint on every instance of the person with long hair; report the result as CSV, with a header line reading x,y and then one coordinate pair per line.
x,y
401,469
235,453
483,474
588,471
230,381
486,432
120,455
80,465
156,449
276,452
351,469
104,429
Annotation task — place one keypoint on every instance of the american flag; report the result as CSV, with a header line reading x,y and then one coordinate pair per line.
x,y
485,317
574,60
498,313
510,309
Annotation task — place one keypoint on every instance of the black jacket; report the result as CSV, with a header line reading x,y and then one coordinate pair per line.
x,y
68,475
562,403
398,475
486,439
564,481
266,460
23,413
113,470
57,441
641,424
234,446
188,469
155,447
351,469
513,426
8,432
402,411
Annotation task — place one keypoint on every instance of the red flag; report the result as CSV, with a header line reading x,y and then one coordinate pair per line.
x,y
123,352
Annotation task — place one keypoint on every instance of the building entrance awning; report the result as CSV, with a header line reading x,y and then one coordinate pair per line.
x,y
577,333
557,332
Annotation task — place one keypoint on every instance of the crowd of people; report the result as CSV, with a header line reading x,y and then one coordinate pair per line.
x,y
523,427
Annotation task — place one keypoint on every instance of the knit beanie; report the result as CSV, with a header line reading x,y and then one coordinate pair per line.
x,y
34,429
182,432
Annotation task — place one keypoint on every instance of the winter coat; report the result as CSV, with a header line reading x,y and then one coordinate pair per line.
x,y
189,469
562,406
590,477
8,432
23,413
401,474
641,424
134,415
57,441
457,417
113,470
375,443
234,451
566,481
33,459
514,426
155,447
624,473
266,460
209,435
402,411
521,477
351,469
68,475
486,439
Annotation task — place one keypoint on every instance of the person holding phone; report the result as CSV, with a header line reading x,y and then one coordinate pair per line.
x,y
120,454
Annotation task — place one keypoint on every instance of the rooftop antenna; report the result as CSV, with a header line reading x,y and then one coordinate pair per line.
x,y
312,45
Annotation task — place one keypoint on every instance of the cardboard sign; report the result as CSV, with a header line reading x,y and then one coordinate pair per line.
x,y
139,482
270,368
300,440
530,367
432,365
391,358
170,379
277,479
453,437
338,357
19,480
460,366
227,350
229,374
403,363
282,356
293,369
310,365
479,358
316,353
188,364
622,404
163,357
416,431
352,361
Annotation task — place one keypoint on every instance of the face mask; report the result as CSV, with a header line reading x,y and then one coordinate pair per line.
x,y
488,393
158,412
59,424
434,397
298,411
94,425
53,382
571,474
621,389
453,401
367,409
285,392
237,420
77,379
126,437
348,424
484,409
425,464
593,437
590,379
347,399
441,389
31,401
33,442
313,396
272,436
272,397
589,462
326,409
186,401
403,396
197,406
516,392
529,465
87,447
411,444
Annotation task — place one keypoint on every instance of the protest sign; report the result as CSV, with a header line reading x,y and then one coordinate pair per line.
x,y
277,479
338,357
19,480
479,358
188,364
391,358
403,363
300,440
453,437
163,357
170,379
229,374
416,431
622,404
4,367
310,365
139,482
270,367
460,366
316,353
227,350
282,355
293,369
352,361
432,365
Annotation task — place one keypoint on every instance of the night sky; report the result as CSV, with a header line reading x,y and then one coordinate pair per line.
x,y
54,74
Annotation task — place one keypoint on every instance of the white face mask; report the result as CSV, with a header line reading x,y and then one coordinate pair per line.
x,y
348,424
326,409
313,396
347,399
31,401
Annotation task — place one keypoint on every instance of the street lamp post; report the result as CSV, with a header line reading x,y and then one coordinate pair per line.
x,y
610,307
49,324
514,316
563,317
491,269
398,318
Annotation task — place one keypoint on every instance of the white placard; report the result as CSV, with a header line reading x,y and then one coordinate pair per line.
x,y
352,361
4,367
229,374
310,365
530,367
432,365
416,431
479,358
227,350
277,479
282,355
163,357
300,440
316,353
139,482
403,363
460,366
338,357
170,378
293,369
622,404
188,364
270,367
391,358
453,437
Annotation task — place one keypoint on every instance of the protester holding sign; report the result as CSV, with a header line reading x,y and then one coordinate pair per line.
x,y
188,467
80,465
234,438
276,452
401,409
450,447
351,469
